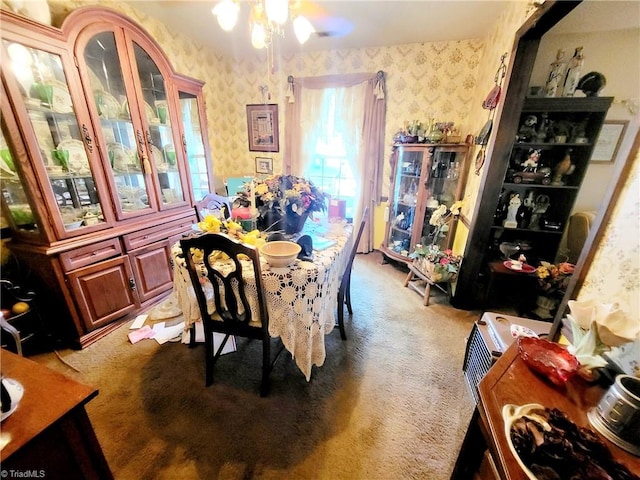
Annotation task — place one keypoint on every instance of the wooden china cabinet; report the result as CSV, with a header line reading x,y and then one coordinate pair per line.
x,y
99,136
424,176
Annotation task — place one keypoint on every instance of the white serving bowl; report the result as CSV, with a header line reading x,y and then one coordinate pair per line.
x,y
280,253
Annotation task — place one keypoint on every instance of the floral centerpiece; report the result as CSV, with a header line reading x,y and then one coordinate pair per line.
x,y
282,199
439,265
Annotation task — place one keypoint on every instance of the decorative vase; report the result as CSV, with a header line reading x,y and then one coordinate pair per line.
x,y
429,269
270,221
545,306
293,223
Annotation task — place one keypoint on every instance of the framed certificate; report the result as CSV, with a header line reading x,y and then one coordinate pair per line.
x,y
608,141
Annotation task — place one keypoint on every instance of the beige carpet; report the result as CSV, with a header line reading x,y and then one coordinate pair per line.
x,y
389,403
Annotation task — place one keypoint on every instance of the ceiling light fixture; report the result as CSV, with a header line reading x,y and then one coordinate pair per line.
x,y
266,19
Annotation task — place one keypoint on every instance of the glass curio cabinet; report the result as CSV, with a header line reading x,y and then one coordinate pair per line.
x,y
424,176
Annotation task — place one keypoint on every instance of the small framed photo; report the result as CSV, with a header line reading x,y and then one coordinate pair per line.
x,y
262,127
264,165
609,140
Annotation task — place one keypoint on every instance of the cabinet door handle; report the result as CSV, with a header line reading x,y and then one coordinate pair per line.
x,y
143,156
184,143
132,284
87,138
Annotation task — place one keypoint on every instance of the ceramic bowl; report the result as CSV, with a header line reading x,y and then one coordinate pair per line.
x,y
280,253
73,225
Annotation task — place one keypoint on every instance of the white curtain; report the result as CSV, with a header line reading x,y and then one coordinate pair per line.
x,y
361,122
320,123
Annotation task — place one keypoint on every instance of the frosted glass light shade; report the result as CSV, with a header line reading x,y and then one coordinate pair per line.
x,y
302,28
277,10
258,36
227,13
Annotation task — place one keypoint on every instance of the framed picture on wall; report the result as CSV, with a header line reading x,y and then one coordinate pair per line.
x,y
262,127
609,141
264,165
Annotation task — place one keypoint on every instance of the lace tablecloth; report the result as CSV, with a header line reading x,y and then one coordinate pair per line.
x,y
301,298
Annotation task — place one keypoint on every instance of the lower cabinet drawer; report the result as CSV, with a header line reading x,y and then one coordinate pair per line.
x,y
83,256
155,234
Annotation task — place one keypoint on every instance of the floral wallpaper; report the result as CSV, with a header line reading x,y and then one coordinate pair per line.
x,y
434,80
499,41
614,275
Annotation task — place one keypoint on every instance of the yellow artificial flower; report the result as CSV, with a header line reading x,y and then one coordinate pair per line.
x,y
233,227
210,224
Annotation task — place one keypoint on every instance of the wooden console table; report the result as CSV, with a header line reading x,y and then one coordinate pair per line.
x,y
509,380
50,431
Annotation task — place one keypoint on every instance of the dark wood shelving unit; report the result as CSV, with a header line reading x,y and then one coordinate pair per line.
x,y
583,118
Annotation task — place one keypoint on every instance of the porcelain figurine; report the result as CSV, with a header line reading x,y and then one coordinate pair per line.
x,y
556,73
514,205
573,73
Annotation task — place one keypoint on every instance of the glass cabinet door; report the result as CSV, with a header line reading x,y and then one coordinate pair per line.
x,y
194,144
123,141
441,188
13,193
405,198
160,134
58,135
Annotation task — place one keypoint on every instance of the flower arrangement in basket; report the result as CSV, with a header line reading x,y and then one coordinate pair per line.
x,y
212,224
439,265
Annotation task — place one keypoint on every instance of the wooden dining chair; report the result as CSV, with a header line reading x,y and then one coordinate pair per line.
x,y
344,292
211,202
232,315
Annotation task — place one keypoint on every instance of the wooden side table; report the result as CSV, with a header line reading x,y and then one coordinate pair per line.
x,y
50,432
519,286
421,283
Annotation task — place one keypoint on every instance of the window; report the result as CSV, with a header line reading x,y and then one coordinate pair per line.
x,y
330,167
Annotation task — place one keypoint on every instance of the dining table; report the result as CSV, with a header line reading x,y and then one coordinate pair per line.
x,y
301,297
